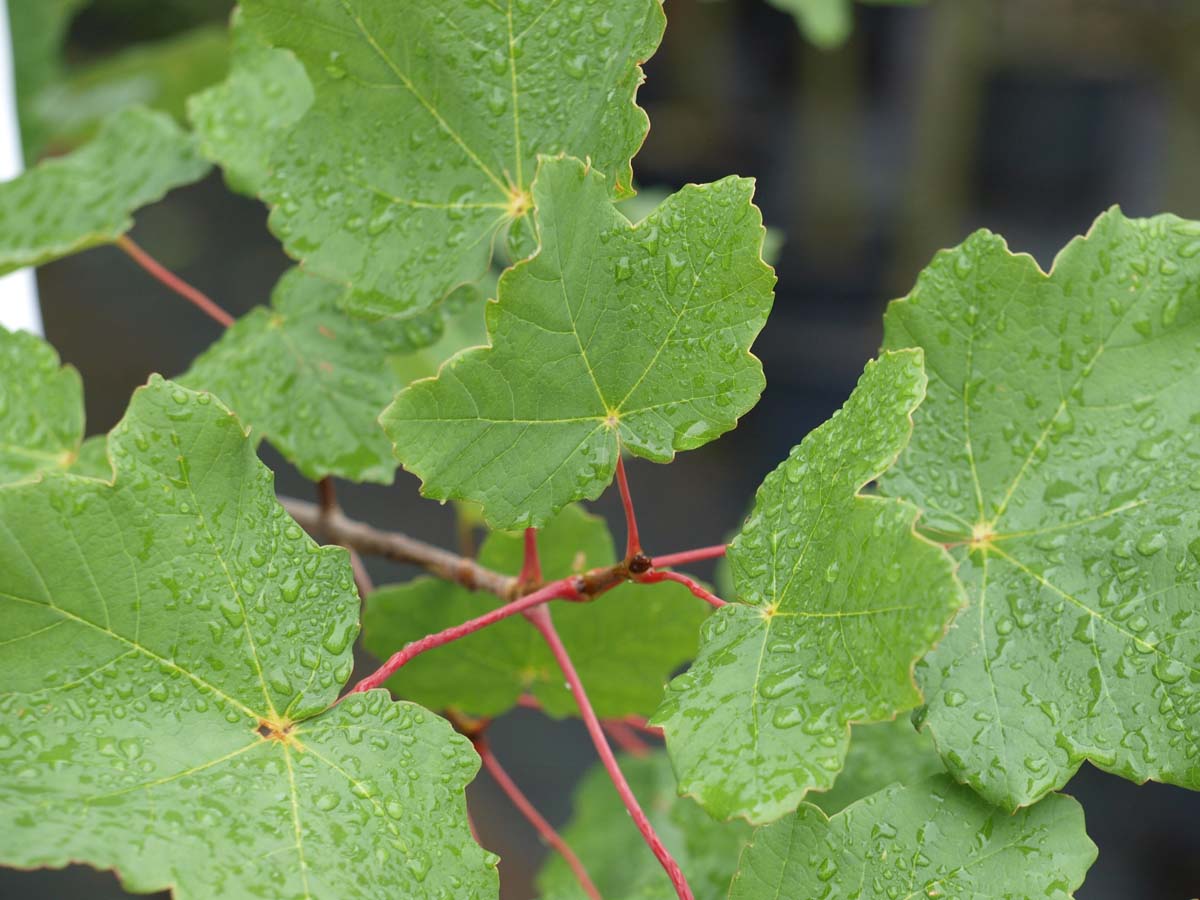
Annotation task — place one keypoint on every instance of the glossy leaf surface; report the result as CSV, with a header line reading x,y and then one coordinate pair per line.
x,y
92,459
182,739
837,599
932,839
625,644
1057,451
68,204
41,408
881,754
428,119
613,335
312,378
243,119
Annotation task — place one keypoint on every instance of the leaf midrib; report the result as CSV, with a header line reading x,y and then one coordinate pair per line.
x,y
55,459
1071,598
220,557
170,664
348,8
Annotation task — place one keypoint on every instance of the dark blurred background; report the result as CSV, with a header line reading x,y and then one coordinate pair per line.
x,y
1029,117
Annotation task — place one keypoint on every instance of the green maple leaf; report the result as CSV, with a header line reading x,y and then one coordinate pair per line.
x,y
625,644
838,598
92,459
880,754
612,336
1056,451
172,644
613,852
41,408
707,850
41,414
71,203
427,123
313,379
931,839
648,199
241,120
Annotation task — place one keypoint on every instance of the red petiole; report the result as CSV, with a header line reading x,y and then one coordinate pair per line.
x,y
531,569
688,556
624,736
656,577
527,809
637,723
633,542
174,282
636,567
540,617
556,590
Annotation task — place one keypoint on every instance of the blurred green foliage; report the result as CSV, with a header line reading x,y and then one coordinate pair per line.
x,y
39,28
828,23
160,75
62,103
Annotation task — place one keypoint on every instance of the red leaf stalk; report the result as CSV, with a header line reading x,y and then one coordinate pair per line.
x,y
625,737
689,556
633,543
527,809
174,282
706,596
543,623
531,569
564,589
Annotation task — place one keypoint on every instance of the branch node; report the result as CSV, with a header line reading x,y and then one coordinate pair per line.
x,y
639,564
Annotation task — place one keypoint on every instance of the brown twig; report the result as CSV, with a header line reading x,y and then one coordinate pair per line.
x,y
336,528
327,495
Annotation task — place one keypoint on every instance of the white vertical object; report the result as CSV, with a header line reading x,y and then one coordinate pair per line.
x,y
18,290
